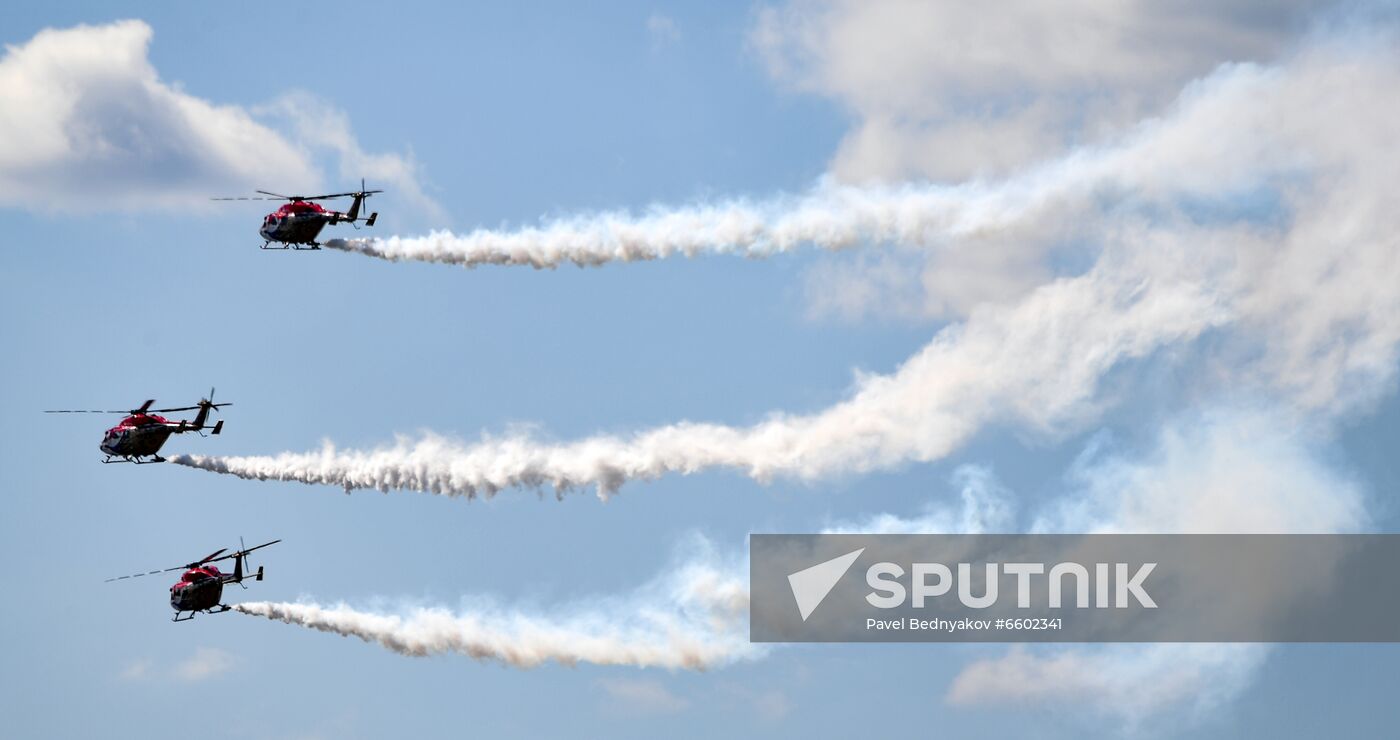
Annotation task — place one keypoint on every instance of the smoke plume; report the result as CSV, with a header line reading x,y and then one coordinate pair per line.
x,y
831,216
695,618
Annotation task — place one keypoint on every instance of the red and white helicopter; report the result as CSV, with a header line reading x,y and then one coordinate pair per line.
x,y
202,585
297,224
143,432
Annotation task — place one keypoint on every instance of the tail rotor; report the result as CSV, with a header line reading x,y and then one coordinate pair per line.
x,y
360,197
206,406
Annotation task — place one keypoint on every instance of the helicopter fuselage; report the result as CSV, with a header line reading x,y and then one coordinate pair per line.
x,y
298,222
199,589
137,436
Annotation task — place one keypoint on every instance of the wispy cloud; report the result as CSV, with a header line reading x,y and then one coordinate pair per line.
x,y
769,705
663,30
205,663
89,124
136,670
201,664
318,126
641,695
1220,469
953,90
1128,683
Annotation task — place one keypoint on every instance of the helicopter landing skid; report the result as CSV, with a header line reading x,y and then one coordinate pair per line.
x,y
134,460
220,609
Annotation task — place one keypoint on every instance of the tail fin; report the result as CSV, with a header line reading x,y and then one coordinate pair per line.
x,y
354,211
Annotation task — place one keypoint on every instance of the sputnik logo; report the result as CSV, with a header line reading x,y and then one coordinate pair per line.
x,y
811,585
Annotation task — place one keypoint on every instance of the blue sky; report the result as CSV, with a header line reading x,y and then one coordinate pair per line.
x,y
506,114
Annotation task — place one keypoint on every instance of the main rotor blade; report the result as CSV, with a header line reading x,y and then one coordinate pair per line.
x,y
141,410
241,553
279,195
192,408
147,573
341,195
258,547
209,557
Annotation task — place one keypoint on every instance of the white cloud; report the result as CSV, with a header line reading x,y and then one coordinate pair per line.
x,y
951,89
319,126
1127,682
771,705
1223,470
642,695
663,30
205,662
135,670
88,124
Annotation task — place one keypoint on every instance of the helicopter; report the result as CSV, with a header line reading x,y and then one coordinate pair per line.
x,y
143,432
202,584
297,224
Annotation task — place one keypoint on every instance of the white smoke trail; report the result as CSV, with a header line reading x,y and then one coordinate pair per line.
x,y
830,216
1298,296
696,619
693,617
